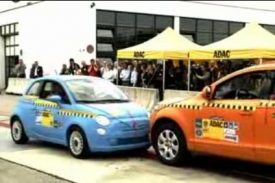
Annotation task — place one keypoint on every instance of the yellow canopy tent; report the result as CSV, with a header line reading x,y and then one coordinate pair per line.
x,y
167,45
253,41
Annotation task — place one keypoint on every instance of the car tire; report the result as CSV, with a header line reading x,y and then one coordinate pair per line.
x,y
18,132
78,144
170,151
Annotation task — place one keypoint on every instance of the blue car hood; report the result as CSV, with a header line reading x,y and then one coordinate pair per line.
x,y
115,110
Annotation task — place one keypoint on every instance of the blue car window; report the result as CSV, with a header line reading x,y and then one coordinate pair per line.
x,y
53,88
34,89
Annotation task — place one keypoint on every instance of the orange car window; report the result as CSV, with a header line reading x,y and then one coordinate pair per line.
x,y
256,85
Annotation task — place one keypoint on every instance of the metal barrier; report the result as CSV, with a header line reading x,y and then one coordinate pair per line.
x,y
168,94
147,97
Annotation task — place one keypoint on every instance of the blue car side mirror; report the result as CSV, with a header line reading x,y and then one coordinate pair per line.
x,y
55,98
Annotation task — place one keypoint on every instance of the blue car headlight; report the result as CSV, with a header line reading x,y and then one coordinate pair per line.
x,y
102,120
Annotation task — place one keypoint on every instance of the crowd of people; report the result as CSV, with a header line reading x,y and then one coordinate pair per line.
x,y
148,74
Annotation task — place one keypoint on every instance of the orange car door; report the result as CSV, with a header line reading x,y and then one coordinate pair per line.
x,y
265,133
238,128
229,129
265,124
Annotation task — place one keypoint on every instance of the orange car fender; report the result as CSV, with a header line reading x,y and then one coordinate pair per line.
x,y
179,116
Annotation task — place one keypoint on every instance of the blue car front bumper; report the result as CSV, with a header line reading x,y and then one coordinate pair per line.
x,y
119,142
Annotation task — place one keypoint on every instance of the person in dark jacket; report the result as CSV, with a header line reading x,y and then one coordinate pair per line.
x,y
64,70
36,71
84,69
74,67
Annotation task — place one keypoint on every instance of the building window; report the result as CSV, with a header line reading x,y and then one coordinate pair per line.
x,y
204,38
126,19
204,26
12,28
220,27
204,32
2,30
144,35
187,24
105,50
105,47
190,37
219,36
105,42
118,30
235,27
162,22
126,37
9,29
105,18
270,28
16,28
105,33
145,21
207,31
11,42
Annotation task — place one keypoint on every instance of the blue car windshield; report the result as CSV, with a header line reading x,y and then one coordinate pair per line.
x,y
95,91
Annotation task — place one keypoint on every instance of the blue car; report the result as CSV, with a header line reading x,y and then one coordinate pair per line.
x,y
86,114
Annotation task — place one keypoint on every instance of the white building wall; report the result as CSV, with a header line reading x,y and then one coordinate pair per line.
x,y
54,31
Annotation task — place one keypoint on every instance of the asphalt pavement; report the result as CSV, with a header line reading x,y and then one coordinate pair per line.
x,y
13,173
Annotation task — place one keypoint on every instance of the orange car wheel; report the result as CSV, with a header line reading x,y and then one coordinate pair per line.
x,y
170,144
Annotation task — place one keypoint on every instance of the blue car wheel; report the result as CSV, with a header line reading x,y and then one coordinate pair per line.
x,y
17,132
77,143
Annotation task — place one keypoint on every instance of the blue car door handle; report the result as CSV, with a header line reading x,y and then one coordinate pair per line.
x,y
43,109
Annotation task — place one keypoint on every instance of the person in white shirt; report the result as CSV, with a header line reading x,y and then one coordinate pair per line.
x,y
115,70
134,77
103,68
108,73
125,75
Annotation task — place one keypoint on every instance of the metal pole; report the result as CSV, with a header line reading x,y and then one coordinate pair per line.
x,y
261,60
163,70
117,76
189,74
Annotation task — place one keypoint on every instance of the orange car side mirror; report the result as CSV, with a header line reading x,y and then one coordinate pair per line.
x,y
206,92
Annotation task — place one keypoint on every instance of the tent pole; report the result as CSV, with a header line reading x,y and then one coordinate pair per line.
x,y
189,74
261,61
117,76
163,70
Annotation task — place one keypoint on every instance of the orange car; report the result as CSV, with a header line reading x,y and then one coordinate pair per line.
x,y
234,117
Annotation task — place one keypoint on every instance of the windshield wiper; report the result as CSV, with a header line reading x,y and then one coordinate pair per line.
x,y
87,101
112,100
103,101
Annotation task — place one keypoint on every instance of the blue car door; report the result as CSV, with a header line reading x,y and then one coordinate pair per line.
x,y
46,120
26,107
50,125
